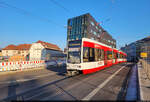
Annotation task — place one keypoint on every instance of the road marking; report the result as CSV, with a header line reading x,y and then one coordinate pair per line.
x,y
23,80
90,95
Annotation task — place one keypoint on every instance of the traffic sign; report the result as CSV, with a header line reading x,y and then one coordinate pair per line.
x,y
143,54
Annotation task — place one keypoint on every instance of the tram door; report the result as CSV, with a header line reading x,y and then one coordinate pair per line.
x,y
115,57
105,57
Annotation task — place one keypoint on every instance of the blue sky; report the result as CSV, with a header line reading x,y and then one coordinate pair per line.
x,y
129,20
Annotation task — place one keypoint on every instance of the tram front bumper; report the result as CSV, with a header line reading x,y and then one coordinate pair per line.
x,y
73,66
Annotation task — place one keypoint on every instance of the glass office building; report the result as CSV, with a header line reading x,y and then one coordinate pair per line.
x,y
86,26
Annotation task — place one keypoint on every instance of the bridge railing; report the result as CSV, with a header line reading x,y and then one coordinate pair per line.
x,y
146,66
21,65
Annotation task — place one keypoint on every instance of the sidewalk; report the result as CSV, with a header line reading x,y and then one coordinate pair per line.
x,y
144,84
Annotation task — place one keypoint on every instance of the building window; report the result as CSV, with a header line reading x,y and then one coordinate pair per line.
x,y
94,33
18,52
92,23
91,31
96,27
100,30
92,38
70,23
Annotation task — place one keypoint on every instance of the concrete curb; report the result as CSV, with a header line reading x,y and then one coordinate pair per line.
x,y
144,84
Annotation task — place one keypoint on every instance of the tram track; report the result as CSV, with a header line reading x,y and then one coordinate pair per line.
x,y
22,94
64,85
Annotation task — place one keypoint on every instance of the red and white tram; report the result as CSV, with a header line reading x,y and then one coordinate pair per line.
x,y
88,56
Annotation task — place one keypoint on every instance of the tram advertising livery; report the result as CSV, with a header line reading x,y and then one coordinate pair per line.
x,y
87,56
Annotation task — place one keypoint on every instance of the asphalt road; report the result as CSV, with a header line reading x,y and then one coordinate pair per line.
x,y
52,84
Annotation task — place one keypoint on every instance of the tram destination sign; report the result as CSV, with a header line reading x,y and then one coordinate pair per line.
x,y
76,43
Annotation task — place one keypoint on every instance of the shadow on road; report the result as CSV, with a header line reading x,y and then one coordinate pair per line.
x,y
12,89
61,70
122,93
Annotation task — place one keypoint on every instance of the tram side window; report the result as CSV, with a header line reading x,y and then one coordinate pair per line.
x,y
86,54
109,55
118,56
122,56
115,55
92,55
102,54
97,54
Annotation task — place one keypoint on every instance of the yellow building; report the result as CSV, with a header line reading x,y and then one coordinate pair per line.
x,y
12,50
17,58
16,53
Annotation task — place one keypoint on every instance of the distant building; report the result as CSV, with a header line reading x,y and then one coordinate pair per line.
x,y
145,47
86,26
134,49
65,50
45,51
23,49
17,58
11,50
0,52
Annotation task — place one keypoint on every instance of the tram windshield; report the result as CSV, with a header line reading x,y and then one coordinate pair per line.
x,y
74,57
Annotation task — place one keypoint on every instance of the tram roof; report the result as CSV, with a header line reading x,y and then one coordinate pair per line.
x,y
87,39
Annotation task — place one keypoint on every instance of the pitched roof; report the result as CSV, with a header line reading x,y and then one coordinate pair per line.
x,y
19,47
49,45
24,46
10,47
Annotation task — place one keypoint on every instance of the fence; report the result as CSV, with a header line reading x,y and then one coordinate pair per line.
x,y
20,65
146,66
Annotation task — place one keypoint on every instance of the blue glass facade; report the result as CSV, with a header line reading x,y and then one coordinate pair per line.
x,y
76,28
85,26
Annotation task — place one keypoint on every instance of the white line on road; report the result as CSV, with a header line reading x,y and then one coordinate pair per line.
x,y
90,95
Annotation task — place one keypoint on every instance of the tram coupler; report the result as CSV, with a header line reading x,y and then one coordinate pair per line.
x,y
72,73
